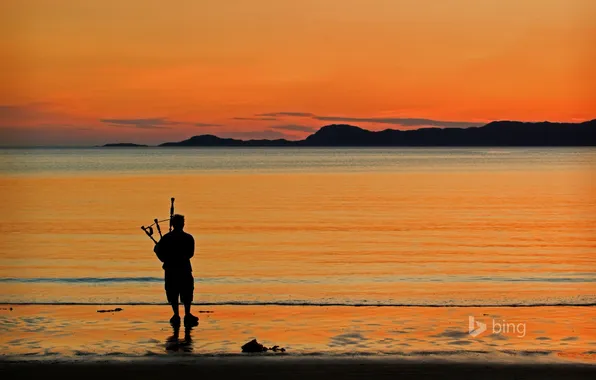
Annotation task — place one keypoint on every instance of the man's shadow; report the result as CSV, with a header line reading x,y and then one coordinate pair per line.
x,y
175,344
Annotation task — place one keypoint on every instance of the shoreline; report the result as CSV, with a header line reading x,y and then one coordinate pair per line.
x,y
65,334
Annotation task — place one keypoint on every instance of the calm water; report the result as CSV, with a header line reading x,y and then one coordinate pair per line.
x,y
309,226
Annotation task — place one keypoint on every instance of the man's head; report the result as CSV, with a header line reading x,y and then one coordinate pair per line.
x,y
178,222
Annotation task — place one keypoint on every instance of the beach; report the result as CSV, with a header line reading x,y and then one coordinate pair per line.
x,y
321,342
95,332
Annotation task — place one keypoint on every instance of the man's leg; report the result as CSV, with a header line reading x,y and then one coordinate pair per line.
x,y
174,305
175,320
172,294
187,296
189,319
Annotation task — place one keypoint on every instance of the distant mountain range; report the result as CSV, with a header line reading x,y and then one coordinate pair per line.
x,y
497,133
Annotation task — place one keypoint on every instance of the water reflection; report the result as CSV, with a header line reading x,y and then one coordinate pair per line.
x,y
175,344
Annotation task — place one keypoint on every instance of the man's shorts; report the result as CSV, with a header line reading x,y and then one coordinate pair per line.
x,y
179,284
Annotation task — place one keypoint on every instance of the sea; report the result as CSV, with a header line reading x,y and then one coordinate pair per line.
x,y
284,234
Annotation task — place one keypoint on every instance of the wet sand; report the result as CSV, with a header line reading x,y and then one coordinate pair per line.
x,y
284,368
74,342
81,333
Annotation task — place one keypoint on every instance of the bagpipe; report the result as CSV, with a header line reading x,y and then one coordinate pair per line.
x,y
149,229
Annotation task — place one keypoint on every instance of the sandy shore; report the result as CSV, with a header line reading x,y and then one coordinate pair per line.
x,y
291,368
56,332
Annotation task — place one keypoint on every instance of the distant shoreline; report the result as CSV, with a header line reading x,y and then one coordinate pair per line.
x,y
494,134
124,145
498,134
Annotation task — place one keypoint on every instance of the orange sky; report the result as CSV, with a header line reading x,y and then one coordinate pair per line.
x,y
90,72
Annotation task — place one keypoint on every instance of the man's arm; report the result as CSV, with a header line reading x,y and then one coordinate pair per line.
x,y
191,247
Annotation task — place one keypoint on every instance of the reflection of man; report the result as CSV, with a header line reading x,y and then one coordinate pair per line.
x,y
175,250
173,343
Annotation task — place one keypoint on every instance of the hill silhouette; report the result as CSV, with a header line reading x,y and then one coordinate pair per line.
x,y
211,140
497,133
124,145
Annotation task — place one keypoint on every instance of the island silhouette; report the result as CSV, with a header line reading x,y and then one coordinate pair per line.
x,y
124,145
494,134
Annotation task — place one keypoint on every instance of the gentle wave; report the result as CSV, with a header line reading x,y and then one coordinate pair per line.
x,y
314,303
81,280
326,280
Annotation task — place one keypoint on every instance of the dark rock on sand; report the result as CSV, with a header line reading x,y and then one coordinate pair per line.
x,y
254,346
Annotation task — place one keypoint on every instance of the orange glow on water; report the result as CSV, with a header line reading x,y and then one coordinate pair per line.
x,y
379,234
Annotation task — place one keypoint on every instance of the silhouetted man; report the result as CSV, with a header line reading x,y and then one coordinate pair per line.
x,y
175,250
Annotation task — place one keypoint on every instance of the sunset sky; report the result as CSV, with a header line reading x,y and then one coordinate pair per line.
x,y
90,72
